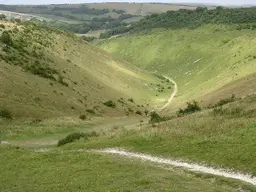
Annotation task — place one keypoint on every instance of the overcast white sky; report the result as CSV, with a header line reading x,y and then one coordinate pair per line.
x,y
223,2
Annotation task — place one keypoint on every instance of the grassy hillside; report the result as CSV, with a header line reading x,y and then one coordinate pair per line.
x,y
200,60
48,73
221,137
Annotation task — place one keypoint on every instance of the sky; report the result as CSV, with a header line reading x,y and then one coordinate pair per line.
x,y
221,2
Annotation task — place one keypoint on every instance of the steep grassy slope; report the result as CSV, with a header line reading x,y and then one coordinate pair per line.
x,y
46,73
200,60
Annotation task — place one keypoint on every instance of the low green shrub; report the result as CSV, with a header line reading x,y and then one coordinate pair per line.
x,y
131,100
2,26
90,111
138,113
110,104
71,138
156,118
130,110
5,114
76,136
82,117
192,107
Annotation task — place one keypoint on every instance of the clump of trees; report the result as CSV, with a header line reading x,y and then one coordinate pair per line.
x,y
244,17
55,10
80,13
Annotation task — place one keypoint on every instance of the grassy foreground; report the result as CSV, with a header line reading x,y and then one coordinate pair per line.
x,y
224,137
26,170
220,137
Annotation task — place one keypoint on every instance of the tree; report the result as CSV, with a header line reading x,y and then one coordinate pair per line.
x,y
2,17
6,38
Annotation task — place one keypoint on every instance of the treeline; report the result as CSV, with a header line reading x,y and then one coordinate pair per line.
x,y
94,24
81,10
54,10
87,17
245,17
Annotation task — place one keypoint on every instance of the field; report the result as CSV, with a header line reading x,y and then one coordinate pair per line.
x,y
200,61
140,8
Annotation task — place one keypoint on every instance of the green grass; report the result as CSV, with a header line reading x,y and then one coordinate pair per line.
x,y
200,60
226,140
60,75
36,129
25,170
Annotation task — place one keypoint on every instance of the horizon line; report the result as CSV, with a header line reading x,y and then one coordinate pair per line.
x,y
147,2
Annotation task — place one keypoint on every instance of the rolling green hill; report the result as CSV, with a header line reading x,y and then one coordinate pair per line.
x,y
48,73
200,60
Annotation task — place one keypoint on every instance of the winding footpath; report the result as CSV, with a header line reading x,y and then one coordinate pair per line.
x,y
165,161
175,91
189,166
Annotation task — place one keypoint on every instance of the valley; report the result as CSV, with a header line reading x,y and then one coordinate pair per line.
x,y
197,63
160,106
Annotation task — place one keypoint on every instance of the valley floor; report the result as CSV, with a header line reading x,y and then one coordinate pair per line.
x,y
218,140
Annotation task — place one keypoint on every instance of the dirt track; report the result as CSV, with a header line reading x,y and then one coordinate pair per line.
x,y
175,91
